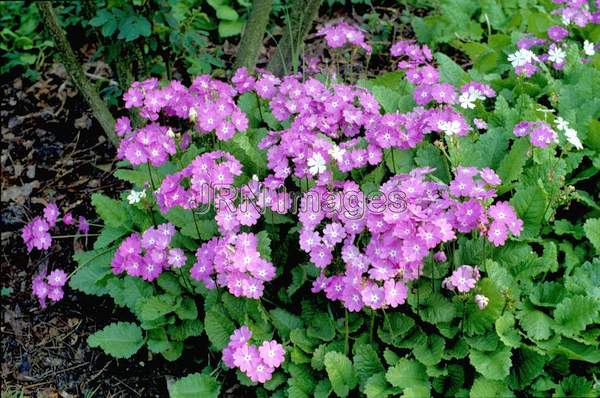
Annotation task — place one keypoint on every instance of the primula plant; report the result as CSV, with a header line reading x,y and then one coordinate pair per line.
x,y
431,231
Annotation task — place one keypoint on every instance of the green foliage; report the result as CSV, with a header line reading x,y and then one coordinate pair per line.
x,y
121,339
195,385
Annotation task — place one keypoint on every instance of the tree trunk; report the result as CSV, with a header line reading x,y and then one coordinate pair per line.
x,y
297,26
73,68
252,38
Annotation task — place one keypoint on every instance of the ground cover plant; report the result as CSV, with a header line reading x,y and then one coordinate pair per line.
x,y
385,213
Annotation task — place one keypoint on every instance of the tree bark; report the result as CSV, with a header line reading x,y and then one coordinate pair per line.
x,y
75,71
297,26
252,38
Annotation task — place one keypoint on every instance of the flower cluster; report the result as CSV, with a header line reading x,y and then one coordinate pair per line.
x,y
577,12
540,133
152,143
341,34
462,279
414,217
49,287
569,132
233,261
474,91
206,173
36,233
148,254
258,363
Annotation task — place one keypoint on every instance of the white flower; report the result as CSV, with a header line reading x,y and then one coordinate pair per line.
x,y
170,132
316,164
468,98
561,124
522,57
572,137
588,48
135,196
556,55
192,114
450,128
337,153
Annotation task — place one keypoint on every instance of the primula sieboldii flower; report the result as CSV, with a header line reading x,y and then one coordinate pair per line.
x,y
481,300
540,133
148,254
136,196
316,164
556,55
49,286
570,133
36,234
522,57
233,261
557,33
258,363
401,236
462,279
589,48
341,34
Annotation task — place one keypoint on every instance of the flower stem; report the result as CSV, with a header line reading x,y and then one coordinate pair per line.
x,y
372,326
346,345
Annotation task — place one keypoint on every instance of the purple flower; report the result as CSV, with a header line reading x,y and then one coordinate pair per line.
x,y
557,33
272,353
84,226
176,258
57,278
373,296
395,293
51,214
68,219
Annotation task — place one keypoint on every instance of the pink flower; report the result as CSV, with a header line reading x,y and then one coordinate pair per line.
x,y
51,214
57,278
272,353
176,258
395,293
84,226
481,300
463,279
246,358
260,373
68,219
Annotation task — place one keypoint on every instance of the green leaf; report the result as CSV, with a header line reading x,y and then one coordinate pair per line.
x,y
218,329
485,388
341,373
407,373
152,308
511,166
535,323
185,329
128,290
264,245
526,366
492,365
285,321
227,13
399,160
195,385
430,351
530,204
450,72
366,362
120,340
108,235
110,210
573,314
230,28
575,386
505,327
430,156
377,386
169,283
321,327
187,309
158,340
592,232
94,268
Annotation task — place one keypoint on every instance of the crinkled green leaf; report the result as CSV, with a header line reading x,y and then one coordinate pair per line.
x,y
120,340
195,385
341,373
